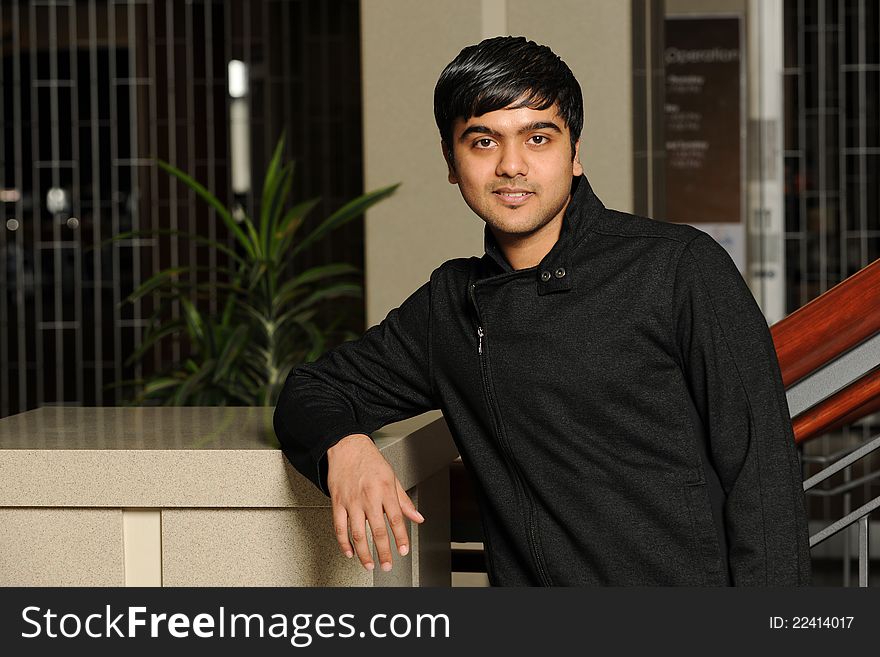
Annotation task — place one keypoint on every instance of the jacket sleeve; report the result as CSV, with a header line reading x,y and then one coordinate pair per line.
x,y
730,364
358,387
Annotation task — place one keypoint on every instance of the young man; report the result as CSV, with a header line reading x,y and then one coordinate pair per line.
x,y
609,380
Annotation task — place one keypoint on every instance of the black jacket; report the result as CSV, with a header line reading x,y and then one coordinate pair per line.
x,y
619,407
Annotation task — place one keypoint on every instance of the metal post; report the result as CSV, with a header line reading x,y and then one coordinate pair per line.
x,y
765,219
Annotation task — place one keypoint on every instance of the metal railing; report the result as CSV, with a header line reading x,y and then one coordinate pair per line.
x,y
842,461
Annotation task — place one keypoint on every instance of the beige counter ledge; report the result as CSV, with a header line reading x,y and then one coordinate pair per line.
x,y
185,496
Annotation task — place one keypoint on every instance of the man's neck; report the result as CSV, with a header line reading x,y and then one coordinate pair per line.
x,y
524,251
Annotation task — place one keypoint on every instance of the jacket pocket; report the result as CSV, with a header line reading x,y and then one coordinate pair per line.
x,y
704,533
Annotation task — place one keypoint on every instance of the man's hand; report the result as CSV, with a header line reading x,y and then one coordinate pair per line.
x,y
363,488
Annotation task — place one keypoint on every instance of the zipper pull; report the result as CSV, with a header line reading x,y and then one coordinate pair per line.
x,y
480,336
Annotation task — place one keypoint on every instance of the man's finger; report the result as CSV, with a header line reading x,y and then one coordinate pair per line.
x,y
398,525
357,522
340,528
380,536
407,506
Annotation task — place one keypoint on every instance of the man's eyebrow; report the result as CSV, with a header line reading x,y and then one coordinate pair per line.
x,y
485,130
478,129
540,125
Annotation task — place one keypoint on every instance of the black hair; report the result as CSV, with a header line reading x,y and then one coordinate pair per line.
x,y
499,71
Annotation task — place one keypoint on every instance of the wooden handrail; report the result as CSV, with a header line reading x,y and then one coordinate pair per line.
x,y
829,325
860,398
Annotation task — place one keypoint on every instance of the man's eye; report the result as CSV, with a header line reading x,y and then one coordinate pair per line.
x,y
541,139
483,143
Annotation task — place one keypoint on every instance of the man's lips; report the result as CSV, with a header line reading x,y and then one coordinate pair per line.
x,y
513,196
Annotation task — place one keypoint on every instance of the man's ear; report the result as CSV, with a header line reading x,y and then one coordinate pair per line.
x,y
577,168
447,155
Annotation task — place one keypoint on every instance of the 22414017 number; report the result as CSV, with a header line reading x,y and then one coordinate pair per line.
x,y
811,622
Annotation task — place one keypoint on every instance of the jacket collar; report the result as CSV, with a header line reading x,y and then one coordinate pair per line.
x,y
555,272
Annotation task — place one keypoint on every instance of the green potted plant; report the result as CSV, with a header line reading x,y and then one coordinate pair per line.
x,y
269,321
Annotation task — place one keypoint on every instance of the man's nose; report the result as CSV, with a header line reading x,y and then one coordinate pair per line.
x,y
511,162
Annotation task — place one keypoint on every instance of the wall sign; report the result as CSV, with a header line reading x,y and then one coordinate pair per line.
x,y
705,127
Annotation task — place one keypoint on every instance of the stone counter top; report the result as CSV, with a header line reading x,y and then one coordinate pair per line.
x,y
180,457
196,496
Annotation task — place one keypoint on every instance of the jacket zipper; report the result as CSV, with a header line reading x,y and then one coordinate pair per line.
x,y
508,454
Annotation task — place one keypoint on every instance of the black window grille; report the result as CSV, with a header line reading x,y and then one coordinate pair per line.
x,y
92,91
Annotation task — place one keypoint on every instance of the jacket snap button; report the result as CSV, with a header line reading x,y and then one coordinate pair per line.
x,y
560,272
545,276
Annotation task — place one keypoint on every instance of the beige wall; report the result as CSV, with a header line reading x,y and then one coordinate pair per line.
x,y
674,7
594,39
405,46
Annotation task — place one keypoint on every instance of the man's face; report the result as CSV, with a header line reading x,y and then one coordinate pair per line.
x,y
514,168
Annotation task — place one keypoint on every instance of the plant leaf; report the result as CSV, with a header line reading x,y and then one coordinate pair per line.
x,y
330,292
170,278
351,210
275,174
194,322
212,200
191,383
293,287
293,218
235,344
152,283
277,212
214,244
153,337
156,385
